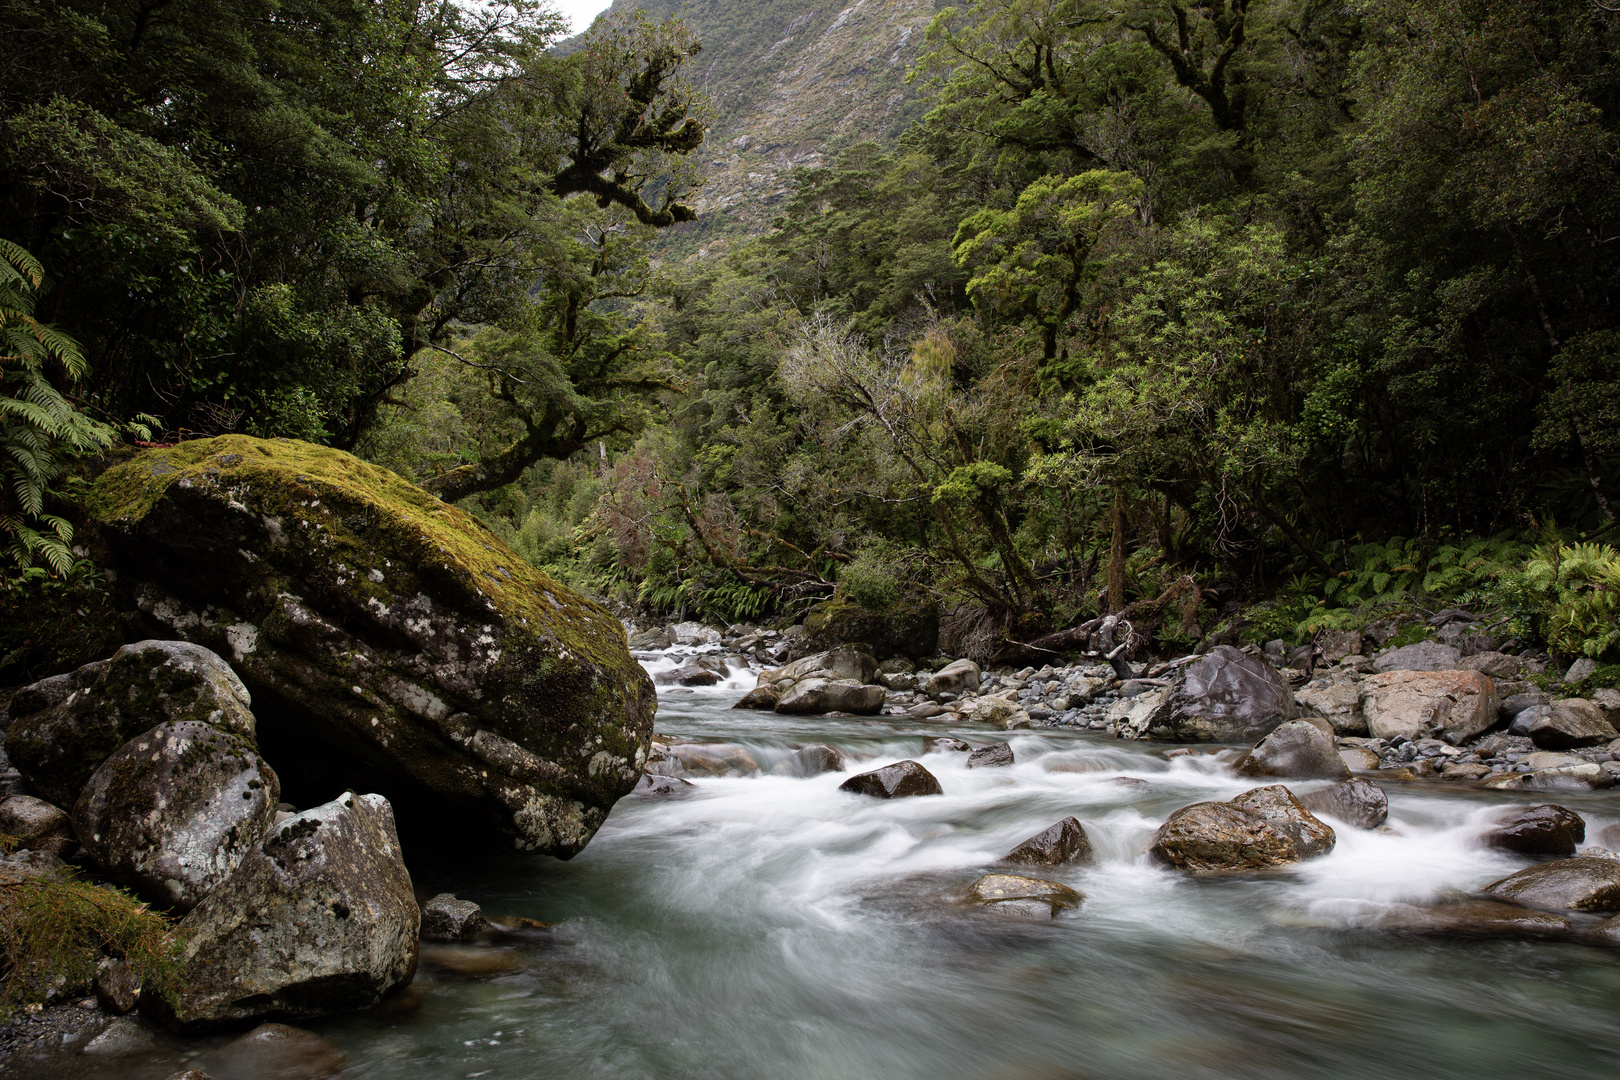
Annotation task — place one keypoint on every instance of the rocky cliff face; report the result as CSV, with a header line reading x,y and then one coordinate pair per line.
x,y
790,83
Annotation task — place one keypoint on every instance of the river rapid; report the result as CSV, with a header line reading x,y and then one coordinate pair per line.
x,y
773,926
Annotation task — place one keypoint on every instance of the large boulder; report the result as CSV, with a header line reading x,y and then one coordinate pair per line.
x,y
957,678
1579,884
897,781
1410,705
1337,701
816,697
318,919
1063,844
63,727
1569,724
1422,656
1279,807
36,825
1539,830
1259,830
1223,696
392,630
1296,750
1359,803
908,627
173,813
1012,893
849,664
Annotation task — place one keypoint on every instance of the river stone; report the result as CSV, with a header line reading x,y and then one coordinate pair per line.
x,y
1296,750
688,674
818,758
996,712
65,726
848,664
19,866
996,755
1358,803
1450,705
1223,696
1475,918
1578,884
1280,809
118,990
1422,656
816,697
895,781
653,785
1359,759
1010,891
449,918
711,759
395,632
175,811
1338,702
762,698
1063,844
954,678
277,1052
944,744
319,918
1515,704
1539,830
1335,645
1585,776
1570,724
1213,838
36,825
656,639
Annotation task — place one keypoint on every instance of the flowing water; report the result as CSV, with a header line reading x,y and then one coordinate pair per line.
x,y
773,926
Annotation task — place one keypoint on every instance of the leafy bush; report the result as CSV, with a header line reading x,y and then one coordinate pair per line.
x,y
1569,596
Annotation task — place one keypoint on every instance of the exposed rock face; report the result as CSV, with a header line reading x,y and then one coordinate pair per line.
x,y
1539,830
1423,656
1570,724
896,781
1579,884
1063,844
388,625
1298,750
36,825
174,812
1450,705
64,727
318,919
1011,892
816,697
1358,803
1260,829
1223,696
995,755
447,918
1337,702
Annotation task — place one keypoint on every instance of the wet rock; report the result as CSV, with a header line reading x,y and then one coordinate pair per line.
x,y
926,710
123,1037
175,811
1539,830
896,781
944,744
1212,838
1422,656
447,918
1063,844
1338,702
36,825
655,640
1578,884
64,727
655,786
392,630
762,698
847,664
818,758
481,962
117,988
1476,918
816,697
953,678
1570,724
1450,705
996,755
1280,809
1296,750
689,674
1358,759
1358,803
278,1052
711,759
1223,696
319,919
1004,891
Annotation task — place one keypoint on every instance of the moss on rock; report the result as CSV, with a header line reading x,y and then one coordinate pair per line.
x,y
908,627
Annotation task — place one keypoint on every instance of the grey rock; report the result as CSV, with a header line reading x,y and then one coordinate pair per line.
x,y
944,744
1411,705
1223,696
710,759
654,640
654,786
897,781
1335,645
28,865
123,1037
954,678
1581,669
1006,892
689,674
1496,665
1422,656
319,919
63,728
1358,803
1570,724
1295,750
1578,884
817,697
818,758
761,698
36,825
1539,830
847,663
1530,714
1063,844
117,988
1337,701
996,755
1280,809
447,918
1515,704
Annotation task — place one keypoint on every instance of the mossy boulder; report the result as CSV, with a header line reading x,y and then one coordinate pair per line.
x,y
908,627
396,630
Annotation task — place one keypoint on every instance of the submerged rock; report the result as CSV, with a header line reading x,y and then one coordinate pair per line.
x,y
818,758
394,630
318,919
652,785
996,755
710,759
1223,696
1358,803
1063,844
1475,918
174,812
1539,830
1579,884
278,1052
897,781
448,918
1298,750
1033,895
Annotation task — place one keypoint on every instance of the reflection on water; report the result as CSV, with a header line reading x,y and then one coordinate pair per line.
x,y
773,926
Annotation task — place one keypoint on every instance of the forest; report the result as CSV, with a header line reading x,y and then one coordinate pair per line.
x,y
1250,318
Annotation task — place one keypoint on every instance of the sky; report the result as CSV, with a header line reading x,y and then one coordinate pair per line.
x,y
581,12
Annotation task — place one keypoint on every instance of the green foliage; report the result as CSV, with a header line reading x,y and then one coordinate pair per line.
x,y
1569,596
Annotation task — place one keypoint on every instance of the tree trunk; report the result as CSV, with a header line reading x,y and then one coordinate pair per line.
x,y
1116,557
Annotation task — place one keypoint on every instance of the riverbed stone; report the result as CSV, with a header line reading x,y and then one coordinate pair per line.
x,y
1296,750
996,755
277,1052
1063,844
1338,702
1223,696
1539,830
1358,803
1359,758
710,759
954,678
64,727
818,758
393,631
446,917
817,697
1579,884
36,825
1014,892
897,781
1420,656
176,810
846,663
1282,810
653,785
691,673
944,744
1475,918
1215,838
1411,705
762,698
319,918
1570,724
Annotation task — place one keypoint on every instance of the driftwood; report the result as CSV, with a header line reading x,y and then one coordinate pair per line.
x,y
1112,637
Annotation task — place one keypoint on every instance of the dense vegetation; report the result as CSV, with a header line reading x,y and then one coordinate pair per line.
x,y
1162,304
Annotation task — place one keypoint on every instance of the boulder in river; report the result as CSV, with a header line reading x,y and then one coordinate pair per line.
x,y
1063,844
954,678
762,698
1358,803
1010,892
36,825
692,673
846,663
1570,724
1260,829
1278,806
174,812
449,918
654,786
818,758
1297,750
817,697
1223,696
1579,884
390,630
63,727
944,744
895,781
1411,705
1539,830
318,919
996,755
